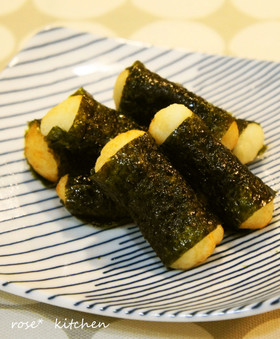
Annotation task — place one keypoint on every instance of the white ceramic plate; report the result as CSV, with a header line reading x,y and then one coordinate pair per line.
x,y
49,256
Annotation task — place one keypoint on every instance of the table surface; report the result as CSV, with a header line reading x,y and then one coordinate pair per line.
x,y
245,28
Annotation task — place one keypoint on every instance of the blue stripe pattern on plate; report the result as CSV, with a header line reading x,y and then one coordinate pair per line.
x,y
48,255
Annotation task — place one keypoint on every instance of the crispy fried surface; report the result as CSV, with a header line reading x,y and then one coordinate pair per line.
x,y
39,155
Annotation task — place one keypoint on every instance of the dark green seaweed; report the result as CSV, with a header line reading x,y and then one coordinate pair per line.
x,y
94,125
232,190
78,149
85,200
76,152
166,209
242,124
145,93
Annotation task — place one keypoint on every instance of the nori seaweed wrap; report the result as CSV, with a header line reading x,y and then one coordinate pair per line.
x,y
52,163
167,211
68,141
91,125
144,92
84,199
236,195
